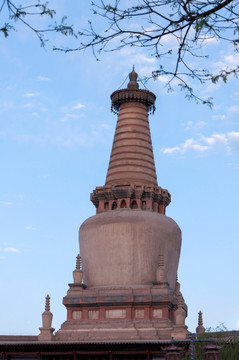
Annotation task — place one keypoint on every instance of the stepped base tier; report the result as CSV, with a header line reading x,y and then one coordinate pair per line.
x,y
122,313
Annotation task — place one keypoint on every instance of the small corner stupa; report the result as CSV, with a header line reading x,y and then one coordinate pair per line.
x,y
125,283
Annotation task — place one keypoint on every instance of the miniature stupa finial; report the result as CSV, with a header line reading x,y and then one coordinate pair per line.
x,y
78,272
46,331
47,303
180,300
133,84
78,262
177,285
200,320
200,329
180,312
161,260
160,273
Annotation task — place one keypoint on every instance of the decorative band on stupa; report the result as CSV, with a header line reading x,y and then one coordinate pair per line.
x,y
131,180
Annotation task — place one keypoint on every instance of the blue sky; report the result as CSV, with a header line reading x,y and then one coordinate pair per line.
x,y
56,132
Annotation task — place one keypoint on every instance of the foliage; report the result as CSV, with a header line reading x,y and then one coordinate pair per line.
x,y
157,25
26,14
227,340
167,29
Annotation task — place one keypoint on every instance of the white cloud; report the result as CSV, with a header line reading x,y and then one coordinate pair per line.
x,y
211,87
29,95
78,106
21,197
170,41
232,60
226,142
234,108
208,40
6,203
106,126
28,105
164,79
73,116
219,117
146,70
138,58
171,150
43,78
11,250
31,228
216,139
233,138
228,62
192,144
141,58
190,125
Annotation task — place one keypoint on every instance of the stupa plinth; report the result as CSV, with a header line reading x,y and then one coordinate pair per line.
x,y
130,249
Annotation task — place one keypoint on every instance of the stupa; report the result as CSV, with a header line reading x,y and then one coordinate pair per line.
x,y
125,283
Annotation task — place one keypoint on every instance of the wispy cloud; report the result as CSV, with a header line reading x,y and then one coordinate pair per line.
x,y
21,197
74,116
11,250
215,139
30,228
219,117
234,109
233,138
171,150
209,40
27,95
228,142
5,203
71,116
28,105
228,61
78,106
190,125
43,78
232,60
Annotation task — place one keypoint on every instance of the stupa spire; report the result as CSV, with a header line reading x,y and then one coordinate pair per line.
x,y
132,158
131,180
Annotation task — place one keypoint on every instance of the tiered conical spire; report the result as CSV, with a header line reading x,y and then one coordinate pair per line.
x,y
132,159
131,180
